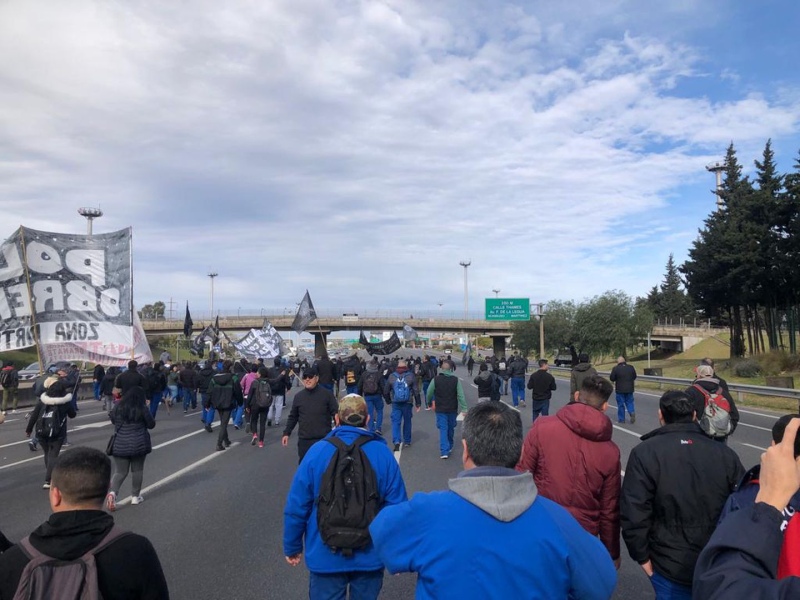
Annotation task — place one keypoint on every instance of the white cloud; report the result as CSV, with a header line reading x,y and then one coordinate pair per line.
x,y
361,149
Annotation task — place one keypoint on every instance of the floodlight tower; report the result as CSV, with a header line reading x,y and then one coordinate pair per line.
x,y
90,214
466,264
212,275
717,168
496,292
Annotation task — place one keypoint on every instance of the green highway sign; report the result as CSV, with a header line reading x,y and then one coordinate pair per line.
x,y
508,309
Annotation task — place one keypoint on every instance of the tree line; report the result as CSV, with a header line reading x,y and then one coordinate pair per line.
x,y
743,268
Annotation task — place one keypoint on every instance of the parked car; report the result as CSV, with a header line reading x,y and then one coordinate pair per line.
x,y
563,357
32,370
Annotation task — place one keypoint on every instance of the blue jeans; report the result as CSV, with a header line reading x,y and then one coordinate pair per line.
x,y
446,424
238,416
425,386
624,401
364,585
189,397
401,411
375,408
173,392
97,390
669,590
208,413
327,386
352,389
540,408
155,400
517,390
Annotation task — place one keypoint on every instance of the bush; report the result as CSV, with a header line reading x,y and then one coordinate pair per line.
x,y
747,368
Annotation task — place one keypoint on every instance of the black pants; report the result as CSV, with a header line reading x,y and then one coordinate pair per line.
x,y
303,445
258,415
51,449
224,418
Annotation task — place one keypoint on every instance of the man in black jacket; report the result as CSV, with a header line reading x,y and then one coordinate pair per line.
x,y
326,369
130,378
542,385
676,483
623,376
312,408
280,384
224,392
127,568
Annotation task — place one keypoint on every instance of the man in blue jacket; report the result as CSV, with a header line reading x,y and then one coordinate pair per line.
x,y
491,535
333,571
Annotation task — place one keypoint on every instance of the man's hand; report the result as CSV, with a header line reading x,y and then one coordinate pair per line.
x,y
617,563
294,559
285,442
433,406
646,567
780,471
419,408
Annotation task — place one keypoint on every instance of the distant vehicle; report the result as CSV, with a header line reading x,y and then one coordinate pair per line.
x,y
563,357
448,351
32,370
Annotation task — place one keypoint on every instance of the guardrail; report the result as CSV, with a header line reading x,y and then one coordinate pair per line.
x,y
739,388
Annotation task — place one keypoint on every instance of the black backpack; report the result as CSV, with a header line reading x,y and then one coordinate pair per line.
x,y
49,422
262,393
348,498
371,385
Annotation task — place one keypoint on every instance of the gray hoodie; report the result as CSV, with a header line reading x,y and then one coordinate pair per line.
x,y
503,493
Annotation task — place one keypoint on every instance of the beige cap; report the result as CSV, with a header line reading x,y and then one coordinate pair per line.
x,y
704,371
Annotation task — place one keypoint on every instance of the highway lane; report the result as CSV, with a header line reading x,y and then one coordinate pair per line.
x,y
216,517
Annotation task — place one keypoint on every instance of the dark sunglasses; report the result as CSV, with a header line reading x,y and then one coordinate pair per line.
x,y
309,376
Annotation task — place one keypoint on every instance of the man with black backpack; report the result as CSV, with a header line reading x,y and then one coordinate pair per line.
x,y
79,552
259,401
370,385
339,488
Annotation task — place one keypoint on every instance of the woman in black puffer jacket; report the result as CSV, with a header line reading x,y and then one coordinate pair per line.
x,y
132,420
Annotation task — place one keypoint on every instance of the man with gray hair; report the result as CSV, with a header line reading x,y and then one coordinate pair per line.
x,y
335,568
705,387
479,538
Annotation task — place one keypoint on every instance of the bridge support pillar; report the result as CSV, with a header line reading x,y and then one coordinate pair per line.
x,y
320,343
499,345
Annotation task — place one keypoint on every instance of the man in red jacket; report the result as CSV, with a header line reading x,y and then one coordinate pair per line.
x,y
575,463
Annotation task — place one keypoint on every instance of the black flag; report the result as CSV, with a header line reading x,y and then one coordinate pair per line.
x,y
216,331
187,323
305,315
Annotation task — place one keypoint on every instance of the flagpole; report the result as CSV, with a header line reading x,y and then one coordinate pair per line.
x,y
36,337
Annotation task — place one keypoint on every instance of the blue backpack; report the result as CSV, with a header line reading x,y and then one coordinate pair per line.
x,y
401,389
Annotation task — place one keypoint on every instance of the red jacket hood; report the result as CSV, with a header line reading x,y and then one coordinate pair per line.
x,y
586,421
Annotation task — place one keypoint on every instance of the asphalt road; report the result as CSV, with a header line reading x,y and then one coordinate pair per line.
x,y
215,518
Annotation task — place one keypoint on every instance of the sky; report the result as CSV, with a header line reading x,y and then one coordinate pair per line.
x,y
362,149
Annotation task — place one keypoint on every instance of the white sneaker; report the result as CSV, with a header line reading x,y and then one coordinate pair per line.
x,y
136,499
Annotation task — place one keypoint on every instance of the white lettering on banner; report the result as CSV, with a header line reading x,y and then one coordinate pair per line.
x,y
13,263
49,296
88,262
43,258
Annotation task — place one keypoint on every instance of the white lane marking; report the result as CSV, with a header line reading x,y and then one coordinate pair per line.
x,y
91,426
183,437
755,426
177,474
27,460
752,446
15,443
628,431
750,412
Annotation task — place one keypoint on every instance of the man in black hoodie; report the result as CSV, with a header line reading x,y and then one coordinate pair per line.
x,y
313,409
224,392
128,567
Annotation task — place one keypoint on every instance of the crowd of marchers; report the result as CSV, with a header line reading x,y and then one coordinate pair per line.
x,y
544,510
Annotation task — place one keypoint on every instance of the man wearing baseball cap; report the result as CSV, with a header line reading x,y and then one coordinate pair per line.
x,y
706,380
312,409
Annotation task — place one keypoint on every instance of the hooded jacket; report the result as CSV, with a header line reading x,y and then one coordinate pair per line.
x,y
127,568
580,372
373,373
202,379
485,382
62,404
133,437
300,513
492,520
711,385
676,482
575,464
221,391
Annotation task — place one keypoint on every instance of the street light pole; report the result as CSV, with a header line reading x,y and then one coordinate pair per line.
x,y
212,275
540,307
496,292
466,264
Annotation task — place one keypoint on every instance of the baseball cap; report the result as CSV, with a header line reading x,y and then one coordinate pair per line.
x,y
311,371
353,410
